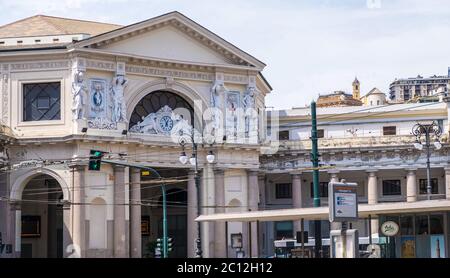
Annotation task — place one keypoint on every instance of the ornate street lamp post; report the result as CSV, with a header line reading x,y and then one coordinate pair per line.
x,y
194,162
427,130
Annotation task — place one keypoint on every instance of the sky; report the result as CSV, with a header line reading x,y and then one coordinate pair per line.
x,y
311,47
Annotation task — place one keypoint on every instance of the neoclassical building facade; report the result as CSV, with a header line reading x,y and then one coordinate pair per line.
x,y
133,92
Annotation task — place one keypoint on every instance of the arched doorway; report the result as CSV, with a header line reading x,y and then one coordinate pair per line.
x,y
42,219
152,211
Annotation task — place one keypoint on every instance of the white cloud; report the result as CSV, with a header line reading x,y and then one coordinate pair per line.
x,y
310,47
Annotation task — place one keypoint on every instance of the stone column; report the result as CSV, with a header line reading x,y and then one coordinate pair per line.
x,y
135,214
253,199
297,198
334,178
411,186
120,250
262,206
15,227
220,248
447,183
372,196
191,215
78,208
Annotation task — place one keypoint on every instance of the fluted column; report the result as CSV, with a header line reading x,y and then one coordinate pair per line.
x,y
297,197
411,185
191,215
78,208
253,198
135,214
372,196
119,213
220,248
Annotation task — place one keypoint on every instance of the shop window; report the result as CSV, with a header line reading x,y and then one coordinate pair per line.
x,y
421,224
283,135
389,130
407,225
41,101
392,188
284,230
323,190
283,191
423,186
436,224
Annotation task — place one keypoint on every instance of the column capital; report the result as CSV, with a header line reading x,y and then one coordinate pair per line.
x,y
78,166
372,172
119,167
296,173
411,170
447,169
219,171
135,170
15,205
253,172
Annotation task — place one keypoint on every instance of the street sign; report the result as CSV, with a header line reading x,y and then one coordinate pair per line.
x,y
389,228
343,201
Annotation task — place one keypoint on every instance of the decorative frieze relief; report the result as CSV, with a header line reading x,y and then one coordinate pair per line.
x,y
193,75
41,65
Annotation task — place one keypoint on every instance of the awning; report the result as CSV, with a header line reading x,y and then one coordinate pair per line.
x,y
322,212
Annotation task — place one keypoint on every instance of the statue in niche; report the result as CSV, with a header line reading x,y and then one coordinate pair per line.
x,y
78,95
250,115
118,104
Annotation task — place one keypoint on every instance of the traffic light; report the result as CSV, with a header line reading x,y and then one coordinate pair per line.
x,y
159,244
169,244
95,160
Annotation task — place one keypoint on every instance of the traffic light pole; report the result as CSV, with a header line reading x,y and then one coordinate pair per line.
x,y
315,161
163,190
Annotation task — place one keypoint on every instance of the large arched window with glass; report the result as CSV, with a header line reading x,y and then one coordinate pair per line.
x,y
154,101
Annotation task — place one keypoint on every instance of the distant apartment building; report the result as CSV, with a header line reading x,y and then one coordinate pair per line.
x,y
410,89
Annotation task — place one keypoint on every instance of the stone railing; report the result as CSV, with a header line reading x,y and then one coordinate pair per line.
x,y
355,142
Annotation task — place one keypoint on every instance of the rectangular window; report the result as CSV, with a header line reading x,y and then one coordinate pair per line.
x,y
320,133
423,186
283,191
323,190
392,188
41,101
283,135
389,130
284,230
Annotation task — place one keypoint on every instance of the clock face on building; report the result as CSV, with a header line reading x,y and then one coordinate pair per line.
x,y
166,123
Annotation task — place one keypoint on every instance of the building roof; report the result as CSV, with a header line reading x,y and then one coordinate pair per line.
x,y
374,91
42,25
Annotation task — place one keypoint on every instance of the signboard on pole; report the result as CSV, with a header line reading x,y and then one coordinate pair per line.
x,y
343,201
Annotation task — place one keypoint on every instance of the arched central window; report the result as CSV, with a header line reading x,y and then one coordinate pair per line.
x,y
154,101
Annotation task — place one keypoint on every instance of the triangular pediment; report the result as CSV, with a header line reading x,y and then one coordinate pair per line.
x,y
172,36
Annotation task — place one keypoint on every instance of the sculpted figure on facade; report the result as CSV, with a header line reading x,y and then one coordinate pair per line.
x,y
250,114
118,104
78,95
217,92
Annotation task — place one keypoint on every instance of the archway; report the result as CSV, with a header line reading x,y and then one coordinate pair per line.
x,y
151,212
42,218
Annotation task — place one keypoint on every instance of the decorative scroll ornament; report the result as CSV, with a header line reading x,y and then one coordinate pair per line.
x,y
102,123
164,122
